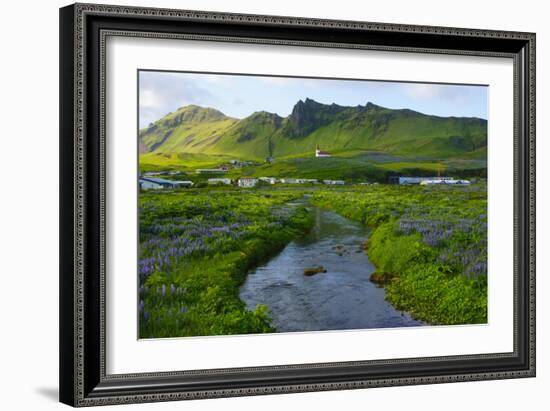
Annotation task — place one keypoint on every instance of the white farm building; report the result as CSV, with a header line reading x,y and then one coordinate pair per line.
x,y
247,182
148,183
299,181
320,153
334,182
415,180
445,182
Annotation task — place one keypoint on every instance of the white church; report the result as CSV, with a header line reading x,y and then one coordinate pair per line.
x,y
319,153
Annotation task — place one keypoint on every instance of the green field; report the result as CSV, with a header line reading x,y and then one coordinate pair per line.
x,y
195,249
434,167
179,161
429,245
354,166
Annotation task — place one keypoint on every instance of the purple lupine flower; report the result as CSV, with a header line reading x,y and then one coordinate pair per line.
x,y
479,268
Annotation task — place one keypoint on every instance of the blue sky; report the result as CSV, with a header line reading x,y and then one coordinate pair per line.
x,y
239,96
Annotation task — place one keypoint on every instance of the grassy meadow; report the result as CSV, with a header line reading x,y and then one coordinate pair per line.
x,y
195,249
429,246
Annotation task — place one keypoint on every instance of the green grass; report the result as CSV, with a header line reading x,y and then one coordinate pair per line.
x,y
180,161
356,168
435,167
353,166
196,247
432,242
319,168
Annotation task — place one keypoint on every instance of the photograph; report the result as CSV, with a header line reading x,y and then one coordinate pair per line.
x,y
271,204
255,203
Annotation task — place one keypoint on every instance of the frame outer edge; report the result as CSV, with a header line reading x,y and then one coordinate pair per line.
x,y
532,201
72,116
79,81
67,331
244,18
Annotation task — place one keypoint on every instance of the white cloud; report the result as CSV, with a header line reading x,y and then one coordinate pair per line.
x,y
150,99
424,91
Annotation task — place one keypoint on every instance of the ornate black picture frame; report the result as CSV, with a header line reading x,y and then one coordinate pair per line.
x,y
83,31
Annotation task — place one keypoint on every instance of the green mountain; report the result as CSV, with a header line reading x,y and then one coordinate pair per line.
x,y
337,129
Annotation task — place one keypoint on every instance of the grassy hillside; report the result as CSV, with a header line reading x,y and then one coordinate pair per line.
x,y
206,131
326,168
156,161
190,129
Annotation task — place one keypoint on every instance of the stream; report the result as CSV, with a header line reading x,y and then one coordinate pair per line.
x,y
338,299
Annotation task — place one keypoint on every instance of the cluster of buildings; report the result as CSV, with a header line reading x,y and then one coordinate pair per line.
x,y
428,181
147,182
152,183
253,182
445,182
151,180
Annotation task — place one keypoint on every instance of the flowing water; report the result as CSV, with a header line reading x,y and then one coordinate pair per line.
x,y
341,298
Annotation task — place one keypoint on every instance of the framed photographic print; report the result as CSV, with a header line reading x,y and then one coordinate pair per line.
x,y
261,204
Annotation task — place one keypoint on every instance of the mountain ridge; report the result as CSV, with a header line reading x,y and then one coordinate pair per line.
x,y
197,129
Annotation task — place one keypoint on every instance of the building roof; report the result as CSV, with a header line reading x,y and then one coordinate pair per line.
x,y
157,180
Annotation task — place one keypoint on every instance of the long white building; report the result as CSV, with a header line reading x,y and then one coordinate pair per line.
x,y
415,180
152,183
247,182
334,182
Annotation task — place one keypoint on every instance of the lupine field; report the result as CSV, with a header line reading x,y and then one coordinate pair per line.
x,y
429,245
195,249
